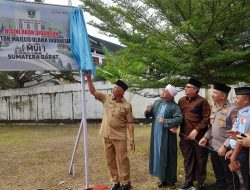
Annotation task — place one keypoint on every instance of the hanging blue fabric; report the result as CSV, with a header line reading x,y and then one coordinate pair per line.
x,y
79,41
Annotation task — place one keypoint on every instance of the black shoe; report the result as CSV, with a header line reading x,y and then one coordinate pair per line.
x,y
163,185
166,184
115,186
187,185
126,187
171,185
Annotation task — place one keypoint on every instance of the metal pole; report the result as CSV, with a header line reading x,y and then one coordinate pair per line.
x,y
85,132
83,127
71,166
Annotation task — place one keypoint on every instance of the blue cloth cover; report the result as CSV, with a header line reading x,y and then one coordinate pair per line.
x,y
79,41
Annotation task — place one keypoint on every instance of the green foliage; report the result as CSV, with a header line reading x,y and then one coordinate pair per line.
x,y
169,41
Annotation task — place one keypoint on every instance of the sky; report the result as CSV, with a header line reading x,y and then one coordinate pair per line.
x,y
91,30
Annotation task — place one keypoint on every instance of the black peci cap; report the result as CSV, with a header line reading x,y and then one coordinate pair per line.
x,y
245,90
122,84
222,87
195,82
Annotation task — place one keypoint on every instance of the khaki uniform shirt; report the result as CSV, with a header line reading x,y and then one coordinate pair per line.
x,y
221,120
116,116
195,112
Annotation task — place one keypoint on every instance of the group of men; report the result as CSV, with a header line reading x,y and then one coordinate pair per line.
x,y
200,130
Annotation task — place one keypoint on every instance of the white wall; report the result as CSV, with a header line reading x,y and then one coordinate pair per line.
x,y
64,102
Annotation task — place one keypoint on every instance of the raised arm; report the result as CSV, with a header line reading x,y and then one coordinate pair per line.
x,y
90,84
98,95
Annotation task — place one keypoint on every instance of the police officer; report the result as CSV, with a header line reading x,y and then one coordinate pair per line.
x,y
241,126
221,120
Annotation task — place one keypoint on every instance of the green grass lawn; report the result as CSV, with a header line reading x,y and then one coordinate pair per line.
x,y
36,157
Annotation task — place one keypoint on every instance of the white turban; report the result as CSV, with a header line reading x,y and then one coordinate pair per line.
x,y
171,89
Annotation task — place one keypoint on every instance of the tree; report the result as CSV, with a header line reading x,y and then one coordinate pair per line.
x,y
25,79
169,41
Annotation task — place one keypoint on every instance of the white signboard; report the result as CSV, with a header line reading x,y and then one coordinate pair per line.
x,y
35,37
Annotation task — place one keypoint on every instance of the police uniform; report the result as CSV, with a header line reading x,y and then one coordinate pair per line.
x,y
242,124
221,120
117,115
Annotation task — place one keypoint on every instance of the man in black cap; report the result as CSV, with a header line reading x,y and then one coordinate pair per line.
x,y
221,120
196,111
241,126
117,118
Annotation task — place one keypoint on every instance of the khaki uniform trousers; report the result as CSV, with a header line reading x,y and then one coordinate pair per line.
x,y
116,151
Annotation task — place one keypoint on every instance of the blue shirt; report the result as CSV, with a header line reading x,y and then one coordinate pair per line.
x,y
241,124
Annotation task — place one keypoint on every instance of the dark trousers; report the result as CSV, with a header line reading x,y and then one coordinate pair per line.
x,y
195,161
243,158
225,179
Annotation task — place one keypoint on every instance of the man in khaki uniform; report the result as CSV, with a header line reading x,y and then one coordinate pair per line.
x,y
116,119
